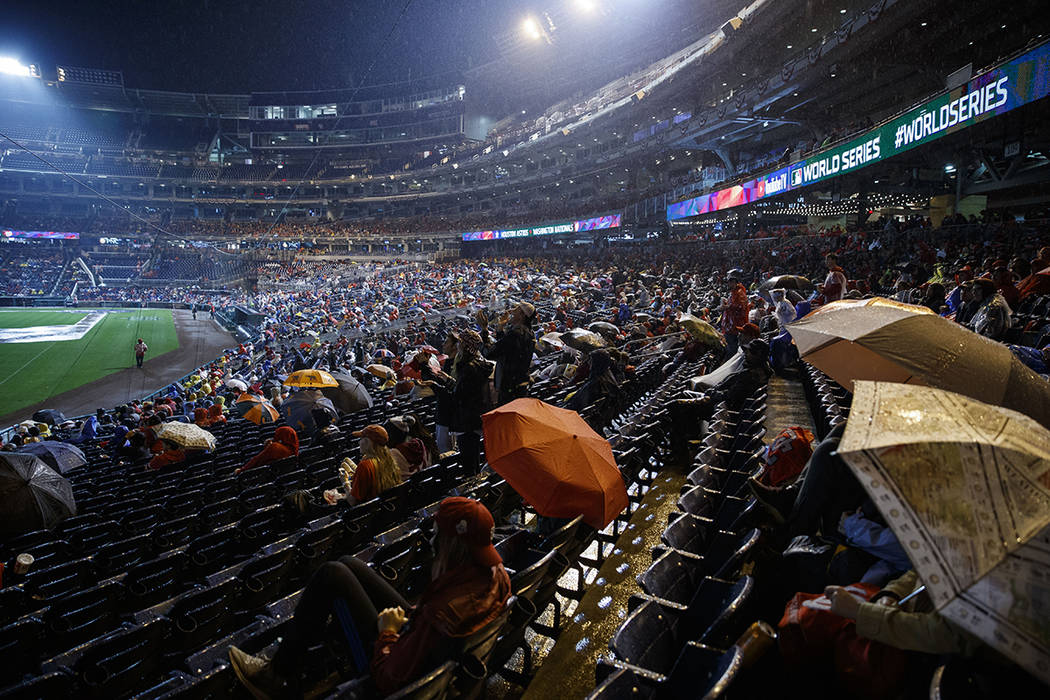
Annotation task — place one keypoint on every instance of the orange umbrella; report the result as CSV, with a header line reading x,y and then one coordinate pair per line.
x,y
311,378
256,409
555,461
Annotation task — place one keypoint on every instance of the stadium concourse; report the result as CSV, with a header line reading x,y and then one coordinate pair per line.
x,y
649,350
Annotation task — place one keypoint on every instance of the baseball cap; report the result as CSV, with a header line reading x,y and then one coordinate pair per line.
x,y
376,433
472,523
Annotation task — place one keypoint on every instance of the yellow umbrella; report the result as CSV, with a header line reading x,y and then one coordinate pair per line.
x,y
883,340
310,378
965,486
187,435
701,330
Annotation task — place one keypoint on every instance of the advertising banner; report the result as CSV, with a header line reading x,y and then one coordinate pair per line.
x,y
594,224
1008,86
52,235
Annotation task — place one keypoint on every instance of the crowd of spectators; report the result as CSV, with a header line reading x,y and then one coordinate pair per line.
x,y
25,272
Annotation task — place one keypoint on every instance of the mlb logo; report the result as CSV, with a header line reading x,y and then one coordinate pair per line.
x,y
796,177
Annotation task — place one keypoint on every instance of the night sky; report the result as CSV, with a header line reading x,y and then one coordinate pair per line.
x,y
239,46
244,45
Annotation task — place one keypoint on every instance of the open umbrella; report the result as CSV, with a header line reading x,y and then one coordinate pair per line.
x,y
236,385
298,409
605,329
965,486
256,409
187,435
882,340
350,395
381,371
32,495
51,416
60,456
701,330
796,282
310,378
553,340
555,461
582,340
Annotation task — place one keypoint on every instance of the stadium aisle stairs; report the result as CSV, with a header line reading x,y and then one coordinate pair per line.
x,y
786,406
568,669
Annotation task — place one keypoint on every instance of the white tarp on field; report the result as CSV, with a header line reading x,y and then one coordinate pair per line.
x,y
44,334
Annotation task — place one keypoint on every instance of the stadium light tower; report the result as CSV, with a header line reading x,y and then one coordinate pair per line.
x,y
12,66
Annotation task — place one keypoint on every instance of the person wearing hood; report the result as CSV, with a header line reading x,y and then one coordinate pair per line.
x,y
734,311
215,416
834,287
992,318
782,308
285,443
394,641
408,452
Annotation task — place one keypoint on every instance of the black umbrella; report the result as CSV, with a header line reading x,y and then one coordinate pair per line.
x,y
350,395
297,409
32,495
50,416
60,456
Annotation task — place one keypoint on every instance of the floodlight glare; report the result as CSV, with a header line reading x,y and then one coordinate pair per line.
x,y
531,28
11,66
587,5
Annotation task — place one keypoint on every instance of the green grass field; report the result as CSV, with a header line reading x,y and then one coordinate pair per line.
x,y
28,319
32,372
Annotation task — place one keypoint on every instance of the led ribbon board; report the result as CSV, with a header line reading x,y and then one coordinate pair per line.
x,y
1011,85
594,224
53,235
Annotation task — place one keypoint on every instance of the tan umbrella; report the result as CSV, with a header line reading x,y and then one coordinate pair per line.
x,y
701,330
187,435
965,486
883,340
381,371
583,340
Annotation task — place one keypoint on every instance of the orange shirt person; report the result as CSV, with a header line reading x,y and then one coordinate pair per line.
x,y
285,443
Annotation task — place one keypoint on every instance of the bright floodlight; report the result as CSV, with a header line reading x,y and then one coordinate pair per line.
x,y
11,66
587,5
531,28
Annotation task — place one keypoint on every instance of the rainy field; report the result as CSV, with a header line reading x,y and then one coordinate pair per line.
x,y
45,352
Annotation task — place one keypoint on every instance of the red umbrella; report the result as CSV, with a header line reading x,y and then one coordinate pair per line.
x,y
555,461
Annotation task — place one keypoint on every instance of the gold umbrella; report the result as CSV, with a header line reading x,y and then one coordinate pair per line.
x,y
965,486
883,340
310,378
381,371
187,435
701,330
